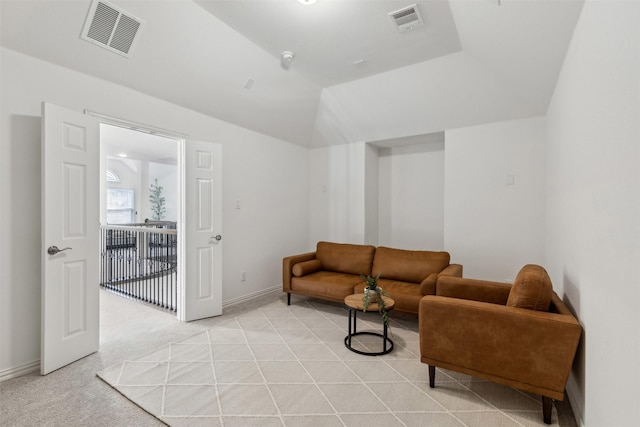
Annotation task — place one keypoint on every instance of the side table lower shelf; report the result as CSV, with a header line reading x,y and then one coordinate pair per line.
x,y
387,344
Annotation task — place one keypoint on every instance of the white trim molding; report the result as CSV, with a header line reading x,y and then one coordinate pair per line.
x,y
18,371
572,390
127,124
248,297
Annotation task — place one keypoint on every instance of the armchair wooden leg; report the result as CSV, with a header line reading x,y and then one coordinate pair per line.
x,y
288,298
432,376
547,406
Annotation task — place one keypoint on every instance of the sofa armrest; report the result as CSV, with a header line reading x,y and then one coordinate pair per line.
x,y
428,285
287,267
530,349
452,270
473,289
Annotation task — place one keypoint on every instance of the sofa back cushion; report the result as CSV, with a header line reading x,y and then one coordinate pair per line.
x,y
408,266
532,289
345,258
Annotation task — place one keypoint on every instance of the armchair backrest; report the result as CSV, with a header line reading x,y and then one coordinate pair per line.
x,y
531,289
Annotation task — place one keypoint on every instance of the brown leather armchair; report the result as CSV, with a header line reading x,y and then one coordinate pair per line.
x,y
522,336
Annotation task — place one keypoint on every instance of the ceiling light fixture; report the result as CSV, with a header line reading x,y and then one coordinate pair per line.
x,y
307,2
286,58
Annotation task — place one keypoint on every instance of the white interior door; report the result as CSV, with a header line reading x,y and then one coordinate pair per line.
x,y
70,213
202,228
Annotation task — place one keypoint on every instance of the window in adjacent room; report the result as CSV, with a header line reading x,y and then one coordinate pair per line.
x,y
120,206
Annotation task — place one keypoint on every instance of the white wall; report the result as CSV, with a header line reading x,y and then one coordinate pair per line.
x,y
269,176
389,196
593,208
327,195
411,198
337,193
371,195
492,228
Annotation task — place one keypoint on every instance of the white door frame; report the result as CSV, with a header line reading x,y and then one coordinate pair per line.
x,y
196,299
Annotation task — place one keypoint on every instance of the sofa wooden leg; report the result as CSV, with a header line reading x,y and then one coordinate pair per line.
x,y
288,298
547,405
432,376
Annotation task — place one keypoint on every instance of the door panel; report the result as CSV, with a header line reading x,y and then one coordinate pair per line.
x,y
202,290
70,213
75,298
205,273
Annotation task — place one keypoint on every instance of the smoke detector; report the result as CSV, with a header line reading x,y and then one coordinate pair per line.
x,y
286,58
407,18
110,27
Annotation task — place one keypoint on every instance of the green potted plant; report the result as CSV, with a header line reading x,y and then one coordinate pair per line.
x,y
157,201
373,293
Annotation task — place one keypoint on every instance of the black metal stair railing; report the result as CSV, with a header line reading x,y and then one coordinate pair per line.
x,y
139,261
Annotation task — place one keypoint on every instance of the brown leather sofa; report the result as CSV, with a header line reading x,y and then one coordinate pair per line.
x,y
521,336
333,271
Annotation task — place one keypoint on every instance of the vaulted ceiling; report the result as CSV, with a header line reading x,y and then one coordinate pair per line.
x,y
354,77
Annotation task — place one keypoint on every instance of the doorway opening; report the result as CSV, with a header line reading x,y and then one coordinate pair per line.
x,y
74,188
139,215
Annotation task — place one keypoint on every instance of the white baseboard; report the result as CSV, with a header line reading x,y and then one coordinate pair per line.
x,y
248,297
571,395
27,368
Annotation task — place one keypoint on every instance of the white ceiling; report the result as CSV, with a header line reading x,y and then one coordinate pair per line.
x,y
329,36
473,61
123,143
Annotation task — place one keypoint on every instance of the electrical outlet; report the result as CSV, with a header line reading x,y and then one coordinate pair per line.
x,y
243,276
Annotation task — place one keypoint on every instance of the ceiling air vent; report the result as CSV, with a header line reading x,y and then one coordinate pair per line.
x,y
406,18
111,28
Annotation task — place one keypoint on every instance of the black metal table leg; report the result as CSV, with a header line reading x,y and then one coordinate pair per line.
x,y
353,332
384,337
350,334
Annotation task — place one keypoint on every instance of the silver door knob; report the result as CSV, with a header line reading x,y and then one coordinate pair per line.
x,y
218,237
54,250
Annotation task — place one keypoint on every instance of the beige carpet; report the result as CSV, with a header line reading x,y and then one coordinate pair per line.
x,y
285,365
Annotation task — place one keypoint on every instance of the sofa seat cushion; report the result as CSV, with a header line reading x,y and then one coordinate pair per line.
x,y
408,266
531,289
345,258
406,295
326,283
